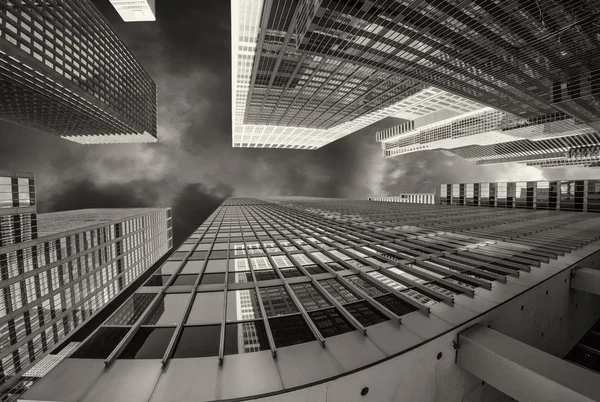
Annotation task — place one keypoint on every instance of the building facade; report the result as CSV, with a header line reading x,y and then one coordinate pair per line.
x,y
59,269
65,71
135,10
320,299
560,195
308,72
417,198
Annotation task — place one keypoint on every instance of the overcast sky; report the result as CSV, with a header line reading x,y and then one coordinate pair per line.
x,y
193,166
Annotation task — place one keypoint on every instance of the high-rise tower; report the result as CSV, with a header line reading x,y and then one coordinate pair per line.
x,y
329,299
308,72
58,269
64,71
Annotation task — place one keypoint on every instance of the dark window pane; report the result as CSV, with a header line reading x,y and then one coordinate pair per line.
x,y
242,305
330,322
290,330
212,279
148,343
169,310
265,274
198,342
238,277
245,337
591,340
308,295
338,291
277,301
290,272
584,358
395,305
157,280
185,280
364,285
314,269
132,310
365,313
101,344
335,266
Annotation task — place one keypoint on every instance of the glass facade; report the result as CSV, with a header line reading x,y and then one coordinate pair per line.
x,y
64,71
294,272
57,273
562,195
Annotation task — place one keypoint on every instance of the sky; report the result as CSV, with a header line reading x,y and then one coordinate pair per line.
x,y
193,167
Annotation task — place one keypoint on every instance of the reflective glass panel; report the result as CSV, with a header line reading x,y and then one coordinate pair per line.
x,y
212,279
101,344
192,267
365,313
148,343
277,301
308,295
245,337
198,341
330,322
132,309
242,305
207,308
290,330
169,310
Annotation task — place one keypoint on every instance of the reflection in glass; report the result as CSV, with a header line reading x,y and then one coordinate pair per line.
x,y
207,308
395,305
290,330
365,313
308,295
290,272
169,310
338,291
132,309
364,285
314,269
330,322
277,301
101,344
239,277
246,337
265,275
198,341
242,305
157,280
169,267
148,343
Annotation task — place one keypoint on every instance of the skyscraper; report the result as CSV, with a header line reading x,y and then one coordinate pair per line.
x,y
308,72
417,198
489,136
559,195
297,298
64,71
135,10
58,269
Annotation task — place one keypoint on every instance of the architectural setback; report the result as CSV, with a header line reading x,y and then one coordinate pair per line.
x,y
59,269
320,299
64,71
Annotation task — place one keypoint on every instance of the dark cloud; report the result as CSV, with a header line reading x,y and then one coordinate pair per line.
x,y
85,193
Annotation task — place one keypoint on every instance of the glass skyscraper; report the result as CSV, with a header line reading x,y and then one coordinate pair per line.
x,y
135,10
58,269
298,298
64,71
308,72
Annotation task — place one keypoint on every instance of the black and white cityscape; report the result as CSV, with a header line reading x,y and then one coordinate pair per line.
x,y
300,200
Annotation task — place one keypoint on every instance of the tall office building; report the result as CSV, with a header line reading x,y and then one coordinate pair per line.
x,y
58,269
490,136
415,198
308,72
328,299
135,10
64,71
559,195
